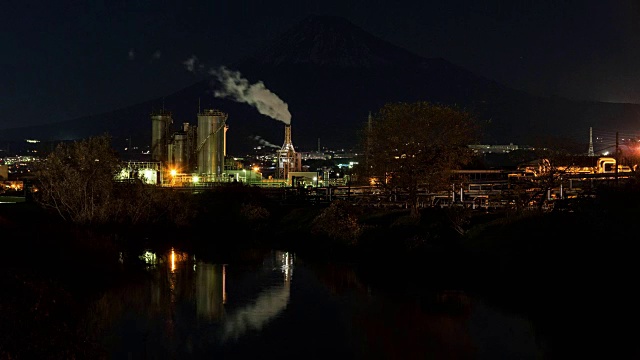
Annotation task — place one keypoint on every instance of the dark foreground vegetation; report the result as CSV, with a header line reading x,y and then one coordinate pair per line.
x,y
566,267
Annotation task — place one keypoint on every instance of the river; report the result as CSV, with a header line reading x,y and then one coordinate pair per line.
x,y
273,304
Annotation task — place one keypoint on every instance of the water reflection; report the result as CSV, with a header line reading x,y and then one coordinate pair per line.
x,y
207,289
185,307
184,303
392,323
210,291
268,304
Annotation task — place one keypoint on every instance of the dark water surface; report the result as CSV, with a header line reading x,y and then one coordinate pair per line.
x,y
99,302
274,305
68,295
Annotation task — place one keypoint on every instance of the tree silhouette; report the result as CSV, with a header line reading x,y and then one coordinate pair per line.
x,y
414,146
76,180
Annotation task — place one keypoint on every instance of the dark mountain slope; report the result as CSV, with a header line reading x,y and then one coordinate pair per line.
x,y
331,74
328,41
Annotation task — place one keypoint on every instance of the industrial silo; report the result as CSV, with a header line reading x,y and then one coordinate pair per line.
x,y
210,145
160,127
179,149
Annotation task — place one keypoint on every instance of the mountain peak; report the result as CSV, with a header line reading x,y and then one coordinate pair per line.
x,y
334,42
327,19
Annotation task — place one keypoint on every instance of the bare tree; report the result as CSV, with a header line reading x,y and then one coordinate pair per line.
x,y
412,146
76,180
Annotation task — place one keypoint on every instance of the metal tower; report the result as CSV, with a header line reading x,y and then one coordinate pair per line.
x,y
286,155
591,142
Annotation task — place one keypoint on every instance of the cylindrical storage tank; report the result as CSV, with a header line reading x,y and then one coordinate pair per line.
x,y
210,146
179,151
160,125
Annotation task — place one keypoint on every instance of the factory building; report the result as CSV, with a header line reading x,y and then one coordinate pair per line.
x,y
182,149
196,154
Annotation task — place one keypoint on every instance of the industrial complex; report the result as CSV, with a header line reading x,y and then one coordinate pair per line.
x,y
194,155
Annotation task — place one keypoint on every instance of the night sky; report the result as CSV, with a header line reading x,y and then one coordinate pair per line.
x,y
66,59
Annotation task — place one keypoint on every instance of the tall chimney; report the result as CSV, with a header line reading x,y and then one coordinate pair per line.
x,y
287,159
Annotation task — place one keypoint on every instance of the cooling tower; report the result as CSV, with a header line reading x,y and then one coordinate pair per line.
x,y
160,126
210,143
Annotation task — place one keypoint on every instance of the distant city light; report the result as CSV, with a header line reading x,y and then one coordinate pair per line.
x,y
149,175
149,258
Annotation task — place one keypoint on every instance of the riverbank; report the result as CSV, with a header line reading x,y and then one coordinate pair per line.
x,y
552,248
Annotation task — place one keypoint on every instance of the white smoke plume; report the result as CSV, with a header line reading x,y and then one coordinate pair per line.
x,y
132,54
256,95
264,142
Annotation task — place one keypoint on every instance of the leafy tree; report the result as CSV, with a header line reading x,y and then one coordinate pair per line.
x,y
76,180
412,146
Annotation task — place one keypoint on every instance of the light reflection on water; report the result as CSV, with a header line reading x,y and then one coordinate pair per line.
x,y
210,296
268,304
189,308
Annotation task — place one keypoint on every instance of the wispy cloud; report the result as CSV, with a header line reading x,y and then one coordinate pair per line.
x,y
191,64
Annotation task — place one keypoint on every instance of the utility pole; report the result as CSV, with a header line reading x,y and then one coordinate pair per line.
x,y
590,152
368,146
617,157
